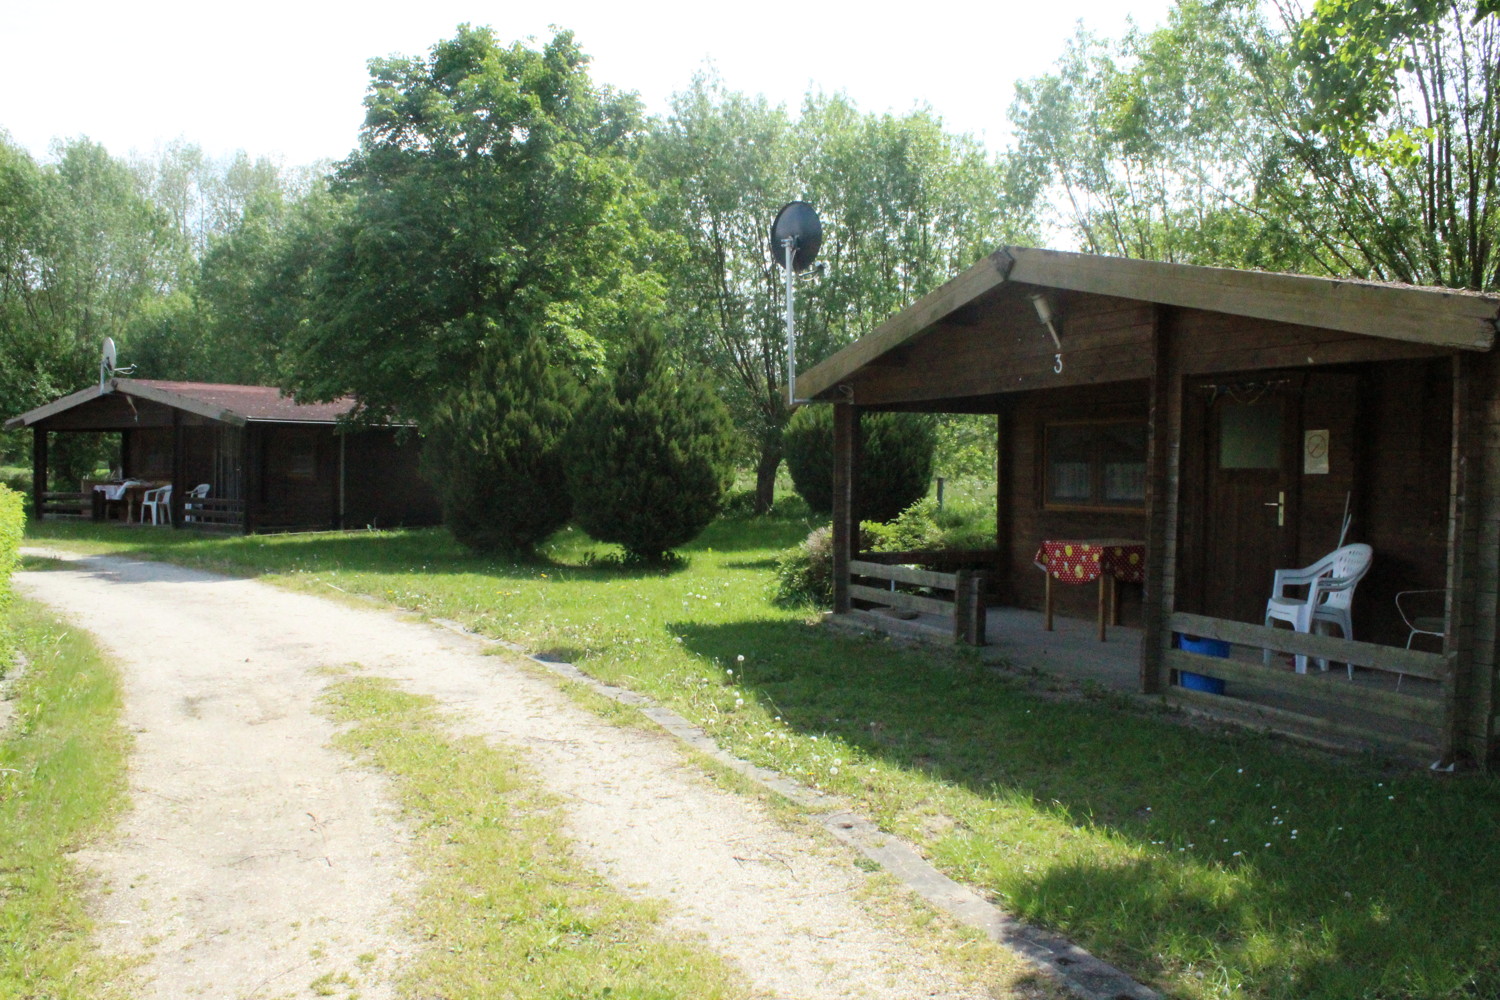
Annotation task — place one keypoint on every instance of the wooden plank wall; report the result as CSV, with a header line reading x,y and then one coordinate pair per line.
x,y
1008,350
1030,522
383,483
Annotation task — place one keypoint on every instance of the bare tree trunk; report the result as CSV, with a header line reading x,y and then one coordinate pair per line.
x,y
765,476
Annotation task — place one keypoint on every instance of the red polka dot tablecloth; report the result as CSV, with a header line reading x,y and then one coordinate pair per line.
x,y
1081,561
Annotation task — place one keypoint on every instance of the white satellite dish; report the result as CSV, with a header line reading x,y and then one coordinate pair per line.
x,y
107,362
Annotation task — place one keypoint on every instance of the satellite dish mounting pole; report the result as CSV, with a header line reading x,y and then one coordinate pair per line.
x,y
790,245
796,236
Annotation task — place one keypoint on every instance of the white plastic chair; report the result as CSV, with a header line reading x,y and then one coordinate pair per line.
x,y
1409,605
157,500
1330,584
189,507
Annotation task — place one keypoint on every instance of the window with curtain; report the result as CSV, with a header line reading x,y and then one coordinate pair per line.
x,y
1095,464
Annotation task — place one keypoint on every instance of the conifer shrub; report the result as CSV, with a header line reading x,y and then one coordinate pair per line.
x,y
651,454
493,449
895,467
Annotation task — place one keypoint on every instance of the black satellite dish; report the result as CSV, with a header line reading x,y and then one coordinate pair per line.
x,y
798,222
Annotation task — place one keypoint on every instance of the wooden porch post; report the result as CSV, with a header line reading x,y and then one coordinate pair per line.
x,y
845,528
250,477
1164,434
1004,517
1473,562
38,471
179,469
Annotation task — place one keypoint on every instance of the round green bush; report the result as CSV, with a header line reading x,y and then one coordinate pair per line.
x,y
895,467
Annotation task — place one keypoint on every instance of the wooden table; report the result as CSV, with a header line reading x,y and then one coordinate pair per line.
x,y
1084,560
128,493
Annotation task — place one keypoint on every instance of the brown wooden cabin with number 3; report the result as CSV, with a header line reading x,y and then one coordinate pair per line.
x,y
271,463
1227,419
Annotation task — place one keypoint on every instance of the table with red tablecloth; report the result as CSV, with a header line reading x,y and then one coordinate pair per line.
x,y
1107,560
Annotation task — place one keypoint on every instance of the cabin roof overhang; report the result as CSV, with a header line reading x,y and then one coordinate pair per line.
x,y
1444,319
235,405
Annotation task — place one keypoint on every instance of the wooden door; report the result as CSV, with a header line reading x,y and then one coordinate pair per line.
x,y
1250,493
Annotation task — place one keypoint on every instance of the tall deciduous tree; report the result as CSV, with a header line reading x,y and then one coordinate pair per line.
x,y
904,205
83,252
491,190
1357,137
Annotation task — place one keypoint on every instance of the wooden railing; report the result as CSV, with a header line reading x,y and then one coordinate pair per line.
x,y
957,596
79,505
1324,702
214,513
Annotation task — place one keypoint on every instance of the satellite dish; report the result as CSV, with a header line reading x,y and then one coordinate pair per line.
x,y
797,227
107,363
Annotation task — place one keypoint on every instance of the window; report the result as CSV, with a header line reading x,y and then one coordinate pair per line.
x,y
1097,464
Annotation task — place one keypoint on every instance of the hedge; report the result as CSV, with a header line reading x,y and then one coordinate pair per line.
x,y
12,521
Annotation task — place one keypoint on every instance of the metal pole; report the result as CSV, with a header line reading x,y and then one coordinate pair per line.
x,y
791,328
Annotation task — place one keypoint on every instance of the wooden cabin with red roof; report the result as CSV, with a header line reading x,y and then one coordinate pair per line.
x,y
270,462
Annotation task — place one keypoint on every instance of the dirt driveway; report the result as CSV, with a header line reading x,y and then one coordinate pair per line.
x,y
257,860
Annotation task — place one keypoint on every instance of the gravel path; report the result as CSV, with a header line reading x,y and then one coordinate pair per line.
x,y
257,862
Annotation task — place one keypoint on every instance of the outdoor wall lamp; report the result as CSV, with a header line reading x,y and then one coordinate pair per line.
x,y
1047,313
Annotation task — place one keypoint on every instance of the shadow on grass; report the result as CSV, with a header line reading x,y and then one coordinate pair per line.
x,y
1363,899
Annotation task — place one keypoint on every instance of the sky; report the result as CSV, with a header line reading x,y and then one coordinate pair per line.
x,y
286,80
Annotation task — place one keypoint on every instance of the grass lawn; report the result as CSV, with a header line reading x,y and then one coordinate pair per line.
x,y
1210,865
62,780
513,912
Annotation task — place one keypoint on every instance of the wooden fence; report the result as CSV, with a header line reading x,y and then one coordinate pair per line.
x,y
1415,721
957,596
68,505
214,514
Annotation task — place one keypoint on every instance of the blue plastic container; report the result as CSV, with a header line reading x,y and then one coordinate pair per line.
x,y
1203,647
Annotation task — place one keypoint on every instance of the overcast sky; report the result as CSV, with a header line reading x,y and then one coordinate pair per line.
x,y
286,79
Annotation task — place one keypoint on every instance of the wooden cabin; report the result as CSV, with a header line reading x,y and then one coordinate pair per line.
x,y
271,464
1227,420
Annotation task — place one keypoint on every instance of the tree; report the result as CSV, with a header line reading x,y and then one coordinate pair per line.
x,y
493,445
491,190
650,455
896,452
1361,138
83,251
905,205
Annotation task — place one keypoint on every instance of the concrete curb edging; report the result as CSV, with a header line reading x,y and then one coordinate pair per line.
x,y
1072,966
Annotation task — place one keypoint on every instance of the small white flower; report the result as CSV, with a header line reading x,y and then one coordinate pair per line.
x,y
740,658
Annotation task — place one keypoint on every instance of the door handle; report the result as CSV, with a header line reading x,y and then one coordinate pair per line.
x,y
1280,505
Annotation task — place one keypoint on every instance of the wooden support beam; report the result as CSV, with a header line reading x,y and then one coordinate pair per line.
x,y
1462,499
38,472
845,461
1164,422
179,470
252,476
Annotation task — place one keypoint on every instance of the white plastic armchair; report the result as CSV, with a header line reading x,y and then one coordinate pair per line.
x,y
1330,584
159,503
192,500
